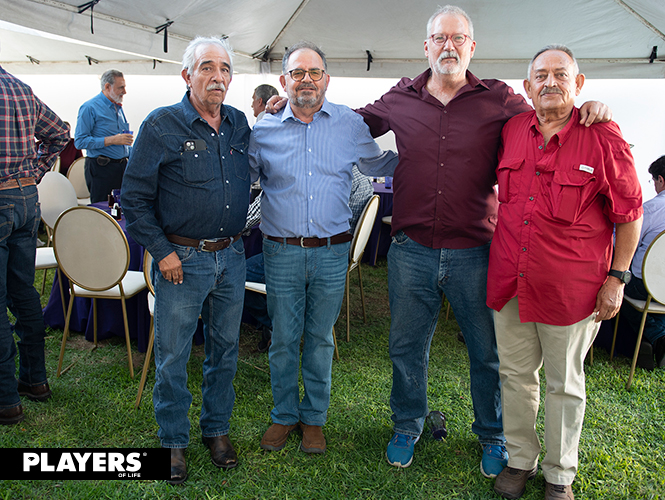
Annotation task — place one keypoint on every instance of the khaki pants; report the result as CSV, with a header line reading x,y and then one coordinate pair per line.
x,y
523,349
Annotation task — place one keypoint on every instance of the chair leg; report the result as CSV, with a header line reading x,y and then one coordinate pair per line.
x,y
335,341
348,317
94,320
146,363
614,338
129,346
362,293
44,282
637,345
62,292
65,334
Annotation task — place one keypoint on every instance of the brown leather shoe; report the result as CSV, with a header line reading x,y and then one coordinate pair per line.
x,y
178,466
35,392
313,440
558,491
511,482
275,437
11,416
221,451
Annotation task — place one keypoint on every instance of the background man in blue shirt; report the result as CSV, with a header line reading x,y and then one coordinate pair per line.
x,y
102,130
304,155
185,196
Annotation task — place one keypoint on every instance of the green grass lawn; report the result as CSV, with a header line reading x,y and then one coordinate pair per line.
x,y
622,449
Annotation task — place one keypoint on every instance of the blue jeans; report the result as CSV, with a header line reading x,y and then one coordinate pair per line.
x,y
19,221
213,287
654,326
305,289
256,303
418,276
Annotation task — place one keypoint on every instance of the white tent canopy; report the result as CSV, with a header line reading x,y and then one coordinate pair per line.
x,y
611,38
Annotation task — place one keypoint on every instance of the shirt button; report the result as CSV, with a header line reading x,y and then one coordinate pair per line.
x,y
223,157
221,230
442,164
311,197
196,156
227,181
445,112
526,222
537,173
311,220
524,249
227,207
521,275
310,173
530,198
439,191
213,134
540,147
310,150
443,137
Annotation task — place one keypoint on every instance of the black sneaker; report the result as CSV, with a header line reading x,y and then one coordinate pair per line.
x,y
645,356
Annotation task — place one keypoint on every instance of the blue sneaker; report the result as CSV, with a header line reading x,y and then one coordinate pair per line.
x,y
400,450
495,458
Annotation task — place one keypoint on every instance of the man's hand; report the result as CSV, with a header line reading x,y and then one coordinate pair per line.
x,y
171,268
119,140
609,299
594,112
275,103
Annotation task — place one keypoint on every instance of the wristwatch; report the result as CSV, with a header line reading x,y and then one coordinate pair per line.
x,y
624,276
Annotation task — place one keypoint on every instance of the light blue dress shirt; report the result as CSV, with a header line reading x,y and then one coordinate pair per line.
x,y
98,118
306,169
652,225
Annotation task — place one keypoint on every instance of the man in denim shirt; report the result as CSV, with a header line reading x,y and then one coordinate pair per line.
x,y
185,194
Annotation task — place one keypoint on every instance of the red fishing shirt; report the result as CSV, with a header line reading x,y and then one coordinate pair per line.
x,y
558,205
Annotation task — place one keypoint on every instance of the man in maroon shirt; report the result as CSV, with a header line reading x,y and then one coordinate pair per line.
x,y
562,189
447,125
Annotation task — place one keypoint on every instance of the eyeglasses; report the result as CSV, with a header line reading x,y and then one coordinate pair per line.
x,y
298,74
458,39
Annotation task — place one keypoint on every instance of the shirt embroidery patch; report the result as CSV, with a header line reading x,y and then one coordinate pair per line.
x,y
586,168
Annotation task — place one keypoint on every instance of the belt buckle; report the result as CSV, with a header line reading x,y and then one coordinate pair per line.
x,y
205,242
302,243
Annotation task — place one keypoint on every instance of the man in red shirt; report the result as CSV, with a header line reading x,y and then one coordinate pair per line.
x,y
562,189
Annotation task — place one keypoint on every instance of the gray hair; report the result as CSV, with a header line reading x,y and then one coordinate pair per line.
x,y
189,57
554,46
109,77
299,46
449,9
265,92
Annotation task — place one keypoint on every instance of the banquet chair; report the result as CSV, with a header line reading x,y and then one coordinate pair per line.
x,y
93,252
76,175
254,286
358,244
56,194
56,165
147,274
653,275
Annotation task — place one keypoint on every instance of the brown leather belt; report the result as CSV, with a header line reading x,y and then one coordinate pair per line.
x,y
14,183
205,245
314,242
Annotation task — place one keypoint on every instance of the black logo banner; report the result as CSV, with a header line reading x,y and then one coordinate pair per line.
x,y
63,464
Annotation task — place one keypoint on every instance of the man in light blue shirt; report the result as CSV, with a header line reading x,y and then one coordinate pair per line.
x,y
102,130
304,156
652,225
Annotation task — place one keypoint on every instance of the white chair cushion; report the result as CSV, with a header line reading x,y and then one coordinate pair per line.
x,y
255,287
132,283
45,258
151,304
84,202
654,307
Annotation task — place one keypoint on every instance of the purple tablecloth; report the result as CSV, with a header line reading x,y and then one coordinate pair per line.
x,y
379,240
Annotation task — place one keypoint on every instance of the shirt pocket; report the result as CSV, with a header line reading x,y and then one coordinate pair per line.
x,y
197,167
509,174
567,194
240,160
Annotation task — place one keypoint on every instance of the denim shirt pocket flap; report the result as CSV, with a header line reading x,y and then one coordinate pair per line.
x,y
508,175
240,159
197,167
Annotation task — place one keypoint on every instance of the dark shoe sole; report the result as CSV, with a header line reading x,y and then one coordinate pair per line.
x,y
41,398
177,481
317,451
270,447
13,421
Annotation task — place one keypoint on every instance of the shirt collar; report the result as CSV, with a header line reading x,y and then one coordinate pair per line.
x,y
419,82
563,134
325,108
111,103
191,115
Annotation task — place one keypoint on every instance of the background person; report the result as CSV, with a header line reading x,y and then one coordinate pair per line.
x,y
23,118
102,130
259,99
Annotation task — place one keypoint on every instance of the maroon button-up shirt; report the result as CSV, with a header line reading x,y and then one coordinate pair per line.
x,y
559,203
444,182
